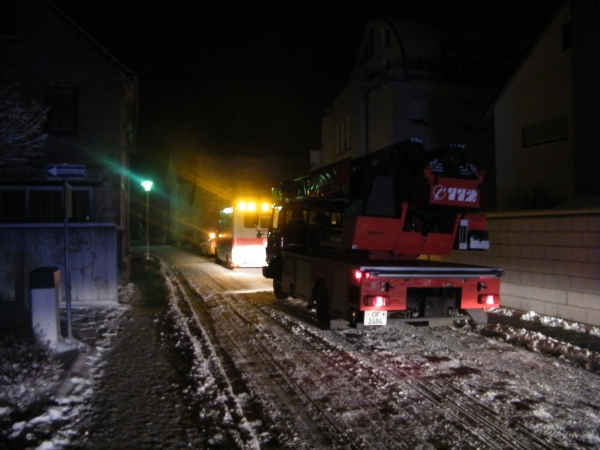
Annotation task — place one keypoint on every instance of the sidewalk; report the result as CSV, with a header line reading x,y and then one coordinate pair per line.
x,y
123,387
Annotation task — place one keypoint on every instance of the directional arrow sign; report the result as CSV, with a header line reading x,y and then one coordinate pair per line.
x,y
65,171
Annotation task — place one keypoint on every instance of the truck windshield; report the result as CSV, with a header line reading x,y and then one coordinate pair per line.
x,y
255,219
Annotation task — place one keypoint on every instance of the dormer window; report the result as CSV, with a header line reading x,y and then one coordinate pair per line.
x,y
368,46
62,112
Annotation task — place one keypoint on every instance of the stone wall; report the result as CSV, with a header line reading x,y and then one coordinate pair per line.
x,y
93,259
551,261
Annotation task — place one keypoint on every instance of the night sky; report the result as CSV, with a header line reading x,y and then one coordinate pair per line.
x,y
256,76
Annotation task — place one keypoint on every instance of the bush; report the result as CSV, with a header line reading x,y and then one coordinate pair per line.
x,y
26,366
531,197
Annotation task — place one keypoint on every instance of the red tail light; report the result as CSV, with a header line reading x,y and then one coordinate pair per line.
x,y
488,299
376,300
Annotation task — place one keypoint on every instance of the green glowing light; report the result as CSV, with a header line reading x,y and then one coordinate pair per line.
x,y
147,185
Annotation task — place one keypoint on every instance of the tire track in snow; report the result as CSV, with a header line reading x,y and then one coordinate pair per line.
x,y
306,369
223,414
234,336
477,418
412,397
354,387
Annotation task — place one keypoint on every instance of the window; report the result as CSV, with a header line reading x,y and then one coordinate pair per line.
x,y
265,220
344,135
257,219
250,219
43,205
295,215
8,20
62,114
81,201
418,111
368,50
544,132
386,38
12,206
335,218
276,217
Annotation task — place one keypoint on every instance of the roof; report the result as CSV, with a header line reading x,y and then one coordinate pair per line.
x,y
426,44
91,39
523,59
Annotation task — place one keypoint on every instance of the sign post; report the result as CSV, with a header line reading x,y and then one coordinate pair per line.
x,y
67,216
66,172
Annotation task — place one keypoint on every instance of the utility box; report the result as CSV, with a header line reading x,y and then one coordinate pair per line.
x,y
45,312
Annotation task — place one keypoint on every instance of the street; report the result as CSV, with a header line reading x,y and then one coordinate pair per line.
x,y
282,382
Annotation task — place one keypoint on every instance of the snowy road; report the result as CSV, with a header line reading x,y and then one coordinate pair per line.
x,y
271,379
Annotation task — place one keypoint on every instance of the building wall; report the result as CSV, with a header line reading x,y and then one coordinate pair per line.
x,y
344,127
585,30
401,88
93,257
48,50
551,262
539,92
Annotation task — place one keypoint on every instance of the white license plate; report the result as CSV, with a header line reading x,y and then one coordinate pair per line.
x,y
375,318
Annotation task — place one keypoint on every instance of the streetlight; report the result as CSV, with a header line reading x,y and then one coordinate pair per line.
x,y
147,186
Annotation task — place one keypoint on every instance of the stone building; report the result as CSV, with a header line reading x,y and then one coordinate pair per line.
x,y
418,80
92,103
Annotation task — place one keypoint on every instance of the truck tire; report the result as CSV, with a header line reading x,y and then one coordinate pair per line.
x,y
321,300
280,294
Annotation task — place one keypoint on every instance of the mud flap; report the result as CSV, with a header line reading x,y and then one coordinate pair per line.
x,y
266,272
479,316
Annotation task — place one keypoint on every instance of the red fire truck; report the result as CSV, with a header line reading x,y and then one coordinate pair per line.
x,y
355,239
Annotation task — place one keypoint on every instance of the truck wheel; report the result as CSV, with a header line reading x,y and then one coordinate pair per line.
x,y
278,290
322,302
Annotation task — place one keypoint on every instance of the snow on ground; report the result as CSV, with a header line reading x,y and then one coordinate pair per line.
x,y
540,343
213,389
37,396
532,316
34,412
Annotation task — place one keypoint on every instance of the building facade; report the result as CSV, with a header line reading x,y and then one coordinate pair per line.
x,y
416,80
547,138
546,114
92,103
